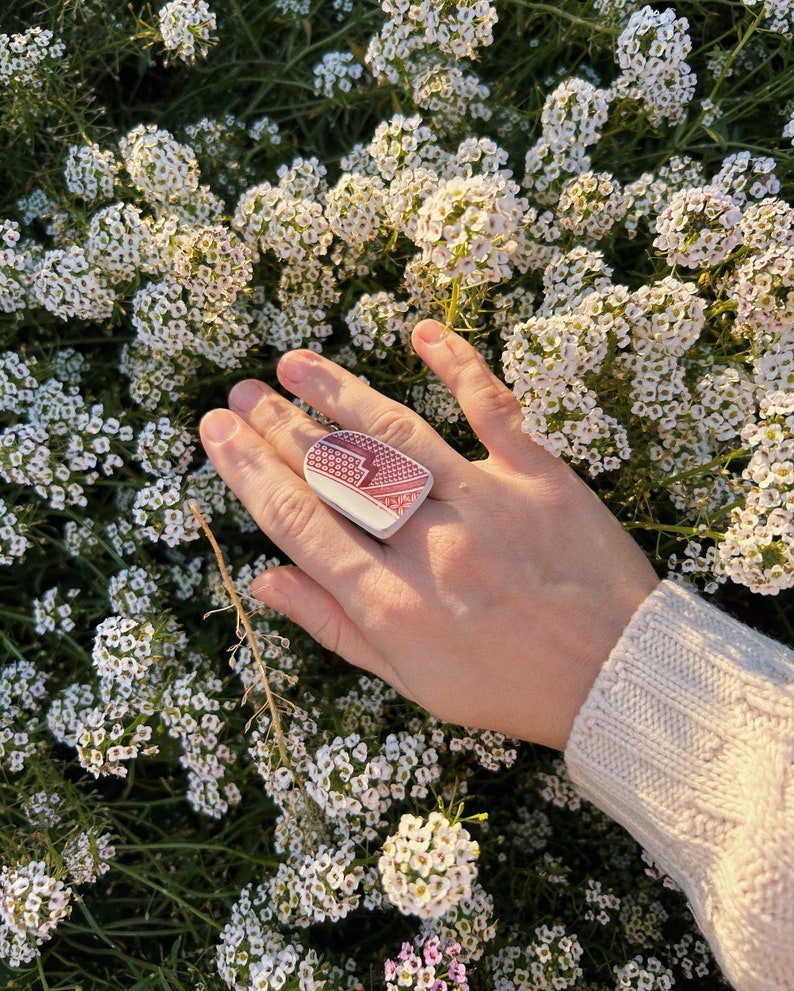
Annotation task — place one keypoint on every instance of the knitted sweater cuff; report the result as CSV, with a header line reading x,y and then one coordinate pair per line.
x,y
687,740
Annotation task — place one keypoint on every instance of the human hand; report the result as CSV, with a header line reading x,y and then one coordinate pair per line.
x,y
496,603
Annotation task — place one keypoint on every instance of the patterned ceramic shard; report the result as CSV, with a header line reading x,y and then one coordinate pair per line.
x,y
367,481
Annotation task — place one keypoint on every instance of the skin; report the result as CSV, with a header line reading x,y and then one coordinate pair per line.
x,y
496,604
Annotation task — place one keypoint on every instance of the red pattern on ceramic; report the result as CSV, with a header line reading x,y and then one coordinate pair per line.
x,y
366,480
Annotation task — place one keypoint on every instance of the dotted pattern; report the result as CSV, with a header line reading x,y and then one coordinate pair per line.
x,y
337,463
373,468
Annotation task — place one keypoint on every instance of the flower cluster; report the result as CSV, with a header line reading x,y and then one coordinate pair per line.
x,y
335,75
161,168
353,784
25,56
778,15
428,865
53,612
758,548
87,856
652,51
647,974
470,924
458,29
550,963
32,903
571,121
16,263
377,322
90,172
321,886
22,691
67,284
550,360
698,228
14,539
193,715
467,230
164,448
186,28
591,204
429,963
253,953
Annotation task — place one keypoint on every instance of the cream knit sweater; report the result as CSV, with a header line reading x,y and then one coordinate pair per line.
x,y
687,740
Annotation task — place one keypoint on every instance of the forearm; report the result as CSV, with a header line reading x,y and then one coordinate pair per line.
x,y
687,739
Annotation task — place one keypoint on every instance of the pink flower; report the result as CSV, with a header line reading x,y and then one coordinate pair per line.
x,y
431,952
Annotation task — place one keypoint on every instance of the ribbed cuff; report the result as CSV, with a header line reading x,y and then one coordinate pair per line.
x,y
686,740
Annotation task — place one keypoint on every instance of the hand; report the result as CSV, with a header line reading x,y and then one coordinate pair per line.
x,y
496,604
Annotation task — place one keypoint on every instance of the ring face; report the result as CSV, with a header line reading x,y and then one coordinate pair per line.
x,y
369,482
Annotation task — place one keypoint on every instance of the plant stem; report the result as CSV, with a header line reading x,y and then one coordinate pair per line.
x,y
249,634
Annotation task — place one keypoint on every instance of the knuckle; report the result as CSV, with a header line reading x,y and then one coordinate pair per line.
x,y
294,509
494,396
395,427
326,630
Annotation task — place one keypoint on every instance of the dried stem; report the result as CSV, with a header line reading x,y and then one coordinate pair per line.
x,y
249,635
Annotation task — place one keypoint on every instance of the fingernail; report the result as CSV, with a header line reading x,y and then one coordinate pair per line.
x,y
294,367
218,425
431,331
245,395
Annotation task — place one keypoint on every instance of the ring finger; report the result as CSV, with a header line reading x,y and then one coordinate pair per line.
x,y
354,405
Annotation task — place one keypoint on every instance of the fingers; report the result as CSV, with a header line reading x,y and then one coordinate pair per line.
x,y
286,428
292,592
347,400
490,407
314,536
291,432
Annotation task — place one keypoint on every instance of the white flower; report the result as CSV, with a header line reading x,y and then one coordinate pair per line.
x,y
90,172
403,143
758,547
186,27
32,901
428,865
164,448
651,51
699,227
87,856
67,284
355,208
23,57
211,264
778,15
448,95
574,114
336,74
161,168
377,322
744,176
467,228
591,204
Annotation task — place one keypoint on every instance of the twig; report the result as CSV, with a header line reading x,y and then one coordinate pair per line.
x,y
249,634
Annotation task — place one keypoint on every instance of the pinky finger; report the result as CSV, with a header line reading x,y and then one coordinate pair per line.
x,y
290,591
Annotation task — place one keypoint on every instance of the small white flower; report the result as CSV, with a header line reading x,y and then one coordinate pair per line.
x,y
428,865
187,27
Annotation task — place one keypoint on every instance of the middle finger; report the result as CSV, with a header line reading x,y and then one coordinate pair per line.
x,y
347,400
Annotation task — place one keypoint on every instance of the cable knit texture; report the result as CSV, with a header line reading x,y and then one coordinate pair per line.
x,y
687,740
